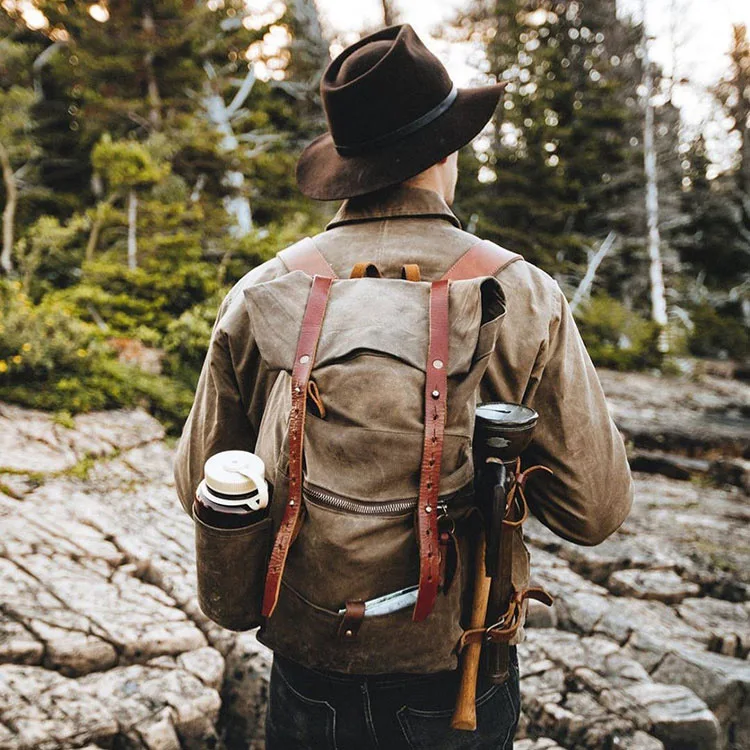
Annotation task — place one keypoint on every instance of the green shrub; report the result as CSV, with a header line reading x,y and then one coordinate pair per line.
x,y
51,360
187,340
718,334
145,299
617,337
41,341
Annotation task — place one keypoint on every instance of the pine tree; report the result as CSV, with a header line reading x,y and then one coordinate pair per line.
x,y
553,172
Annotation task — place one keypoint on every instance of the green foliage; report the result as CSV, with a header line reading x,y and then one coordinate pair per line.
x,y
124,300
42,342
127,164
718,334
50,254
617,337
49,359
187,340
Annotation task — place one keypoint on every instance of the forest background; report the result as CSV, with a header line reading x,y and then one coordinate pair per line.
x,y
147,151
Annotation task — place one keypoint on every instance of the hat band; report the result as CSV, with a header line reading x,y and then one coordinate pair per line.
x,y
396,135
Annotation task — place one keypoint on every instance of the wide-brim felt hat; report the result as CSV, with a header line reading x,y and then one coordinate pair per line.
x,y
392,112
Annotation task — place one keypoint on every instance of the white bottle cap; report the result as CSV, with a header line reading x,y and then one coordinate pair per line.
x,y
237,473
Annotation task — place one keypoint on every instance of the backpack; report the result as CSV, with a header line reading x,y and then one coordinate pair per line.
x,y
367,438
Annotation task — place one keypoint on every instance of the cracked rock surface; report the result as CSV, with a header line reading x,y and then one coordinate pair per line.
x,y
102,644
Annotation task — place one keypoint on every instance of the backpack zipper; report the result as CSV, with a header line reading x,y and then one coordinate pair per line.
x,y
361,507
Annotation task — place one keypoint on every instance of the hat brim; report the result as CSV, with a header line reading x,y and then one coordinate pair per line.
x,y
323,174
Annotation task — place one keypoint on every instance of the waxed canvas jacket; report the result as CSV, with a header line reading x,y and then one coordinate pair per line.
x,y
539,360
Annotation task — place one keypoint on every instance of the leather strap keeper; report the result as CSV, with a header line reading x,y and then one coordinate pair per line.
x,y
351,620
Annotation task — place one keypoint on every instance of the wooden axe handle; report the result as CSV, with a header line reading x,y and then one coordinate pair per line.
x,y
465,713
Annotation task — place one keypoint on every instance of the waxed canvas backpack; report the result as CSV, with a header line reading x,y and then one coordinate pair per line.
x,y
367,440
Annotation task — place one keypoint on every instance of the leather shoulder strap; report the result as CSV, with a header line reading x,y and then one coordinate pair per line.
x,y
305,256
436,394
483,259
304,360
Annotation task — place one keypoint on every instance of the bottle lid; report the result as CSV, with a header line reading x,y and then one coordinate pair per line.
x,y
235,473
507,416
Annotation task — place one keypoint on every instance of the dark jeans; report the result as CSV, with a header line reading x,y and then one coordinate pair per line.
x,y
319,710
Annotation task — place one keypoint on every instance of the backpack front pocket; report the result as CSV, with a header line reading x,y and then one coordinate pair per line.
x,y
231,565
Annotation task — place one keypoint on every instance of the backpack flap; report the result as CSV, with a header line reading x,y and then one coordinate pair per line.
x,y
381,315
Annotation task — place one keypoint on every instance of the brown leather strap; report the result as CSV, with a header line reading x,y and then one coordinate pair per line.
x,y
483,259
411,272
436,393
305,256
352,619
516,512
307,345
365,269
507,626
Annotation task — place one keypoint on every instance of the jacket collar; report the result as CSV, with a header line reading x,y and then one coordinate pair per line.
x,y
398,202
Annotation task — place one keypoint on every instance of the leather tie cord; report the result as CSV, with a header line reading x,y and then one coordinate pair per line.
x,y
303,363
436,393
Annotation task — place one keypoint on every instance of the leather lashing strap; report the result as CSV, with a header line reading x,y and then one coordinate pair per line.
x,y
352,619
305,256
483,259
307,345
410,272
436,393
365,269
507,626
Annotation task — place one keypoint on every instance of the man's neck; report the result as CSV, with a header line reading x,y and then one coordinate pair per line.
x,y
428,180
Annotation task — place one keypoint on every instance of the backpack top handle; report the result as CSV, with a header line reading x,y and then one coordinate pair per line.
x,y
361,270
410,272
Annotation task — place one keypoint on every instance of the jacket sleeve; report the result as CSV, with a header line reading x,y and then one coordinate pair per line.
x,y
591,492
231,391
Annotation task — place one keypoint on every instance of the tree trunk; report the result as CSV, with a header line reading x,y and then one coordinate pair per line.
x,y
658,296
584,288
389,13
9,212
220,114
154,98
96,227
132,221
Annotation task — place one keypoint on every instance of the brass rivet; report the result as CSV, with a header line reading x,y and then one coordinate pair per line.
x,y
349,633
436,394
438,364
304,359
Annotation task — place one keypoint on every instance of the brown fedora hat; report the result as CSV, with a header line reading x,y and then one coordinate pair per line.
x,y
392,112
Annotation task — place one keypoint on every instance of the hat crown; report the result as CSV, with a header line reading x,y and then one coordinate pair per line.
x,y
381,84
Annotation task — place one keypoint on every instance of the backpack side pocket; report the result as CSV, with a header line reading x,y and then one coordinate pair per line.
x,y
231,565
